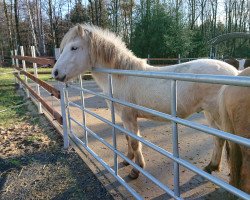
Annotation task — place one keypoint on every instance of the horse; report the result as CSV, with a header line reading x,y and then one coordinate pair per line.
x,y
85,46
233,61
234,108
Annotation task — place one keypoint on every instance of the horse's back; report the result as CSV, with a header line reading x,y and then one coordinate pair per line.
x,y
201,66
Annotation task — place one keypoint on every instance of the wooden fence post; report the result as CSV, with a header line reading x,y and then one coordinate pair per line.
x,y
33,54
13,64
179,58
17,65
24,69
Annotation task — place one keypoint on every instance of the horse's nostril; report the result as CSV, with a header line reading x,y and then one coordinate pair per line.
x,y
56,73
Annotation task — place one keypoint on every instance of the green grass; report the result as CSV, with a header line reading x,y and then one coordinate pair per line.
x,y
9,98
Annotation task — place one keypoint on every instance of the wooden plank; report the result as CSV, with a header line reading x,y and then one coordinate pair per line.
x,y
45,104
45,85
38,60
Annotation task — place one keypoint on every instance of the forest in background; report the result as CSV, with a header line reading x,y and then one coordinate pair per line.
x,y
160,28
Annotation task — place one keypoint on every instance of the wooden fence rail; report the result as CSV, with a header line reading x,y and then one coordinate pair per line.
x,y
45,104
36,93
40,61
48,87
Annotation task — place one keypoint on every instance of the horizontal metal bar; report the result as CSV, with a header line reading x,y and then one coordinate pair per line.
x,y
200,127
152,178
181,161
203,78
107,167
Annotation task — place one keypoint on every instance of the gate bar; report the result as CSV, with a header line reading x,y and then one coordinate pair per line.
x,y
106,166
148,175
175,137
83,112
113,121
200,127
184,163
203,78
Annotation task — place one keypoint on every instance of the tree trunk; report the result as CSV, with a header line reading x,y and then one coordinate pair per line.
x,y
32,27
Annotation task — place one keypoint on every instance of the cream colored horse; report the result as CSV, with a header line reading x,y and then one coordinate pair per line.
x,y
234,107
85,47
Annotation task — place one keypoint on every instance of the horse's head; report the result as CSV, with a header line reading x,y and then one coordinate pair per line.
x,y
74,58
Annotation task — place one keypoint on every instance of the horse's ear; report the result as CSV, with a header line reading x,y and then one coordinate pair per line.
x,y
80,30
88,33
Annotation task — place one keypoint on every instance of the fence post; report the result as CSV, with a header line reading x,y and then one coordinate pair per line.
x,y
17,65
65,123
13,64
24,69
33,54
148,61
175,137
179,58
83,112
113,122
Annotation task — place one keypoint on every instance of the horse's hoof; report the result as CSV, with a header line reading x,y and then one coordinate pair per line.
x,y
134,174
210,168
125,163
207,169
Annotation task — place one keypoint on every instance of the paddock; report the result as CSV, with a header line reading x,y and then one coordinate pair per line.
x,y
194,146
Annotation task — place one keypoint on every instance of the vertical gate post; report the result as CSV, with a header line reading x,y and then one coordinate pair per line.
x,y
83,111
67,110
65,123
175,137
24,69
33,54
113,121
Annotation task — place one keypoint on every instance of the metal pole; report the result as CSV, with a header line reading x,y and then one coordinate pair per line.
x,y
113,121
175,137
65,125
17,65
33,54
67,106
83,112
24,69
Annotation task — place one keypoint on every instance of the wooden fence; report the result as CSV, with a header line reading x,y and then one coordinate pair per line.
x,y
24,82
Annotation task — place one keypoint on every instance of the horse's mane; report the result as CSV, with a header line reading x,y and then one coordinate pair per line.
x,y
105,47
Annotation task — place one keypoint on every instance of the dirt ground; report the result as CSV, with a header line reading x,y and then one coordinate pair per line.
x,y
195,147
34,165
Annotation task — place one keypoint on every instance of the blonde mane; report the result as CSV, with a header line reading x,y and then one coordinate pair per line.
x,y
105,48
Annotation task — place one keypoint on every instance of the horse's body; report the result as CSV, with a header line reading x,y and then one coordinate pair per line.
x,y
85,47
234,109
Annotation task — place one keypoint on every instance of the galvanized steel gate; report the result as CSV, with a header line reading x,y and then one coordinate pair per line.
x,y
174,77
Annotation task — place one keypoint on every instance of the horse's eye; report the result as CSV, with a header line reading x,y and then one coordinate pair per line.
x,y
74,48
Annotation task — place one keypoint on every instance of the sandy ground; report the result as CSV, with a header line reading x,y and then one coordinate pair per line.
x,y
195,147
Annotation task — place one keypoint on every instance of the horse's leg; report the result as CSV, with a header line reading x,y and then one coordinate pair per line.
x,y
214,164
218,147
130,154
130,123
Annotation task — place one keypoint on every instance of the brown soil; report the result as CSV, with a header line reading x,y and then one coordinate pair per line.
x,y
34,165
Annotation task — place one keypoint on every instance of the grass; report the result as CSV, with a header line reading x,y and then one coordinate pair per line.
x,y
9,98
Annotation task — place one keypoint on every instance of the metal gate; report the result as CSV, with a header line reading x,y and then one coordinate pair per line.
x,y
174,77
